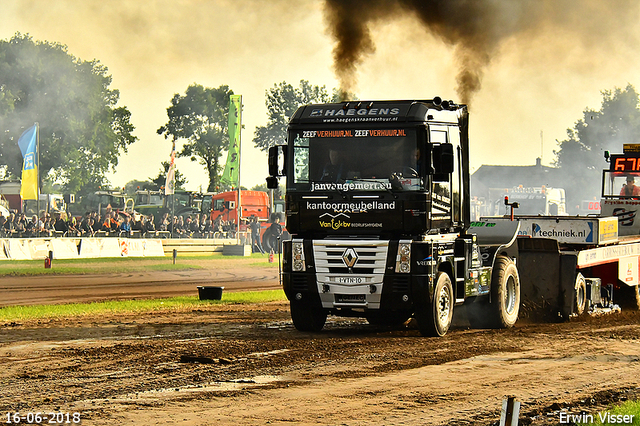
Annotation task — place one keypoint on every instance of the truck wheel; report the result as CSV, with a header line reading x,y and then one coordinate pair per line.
x,y
269,241
306,318
265,241
387,318
273,243
505,294
502,311
580,294
434,318
628,297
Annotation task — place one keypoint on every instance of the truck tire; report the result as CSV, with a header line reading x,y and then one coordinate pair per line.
x,y
580,295
505,294
266,240
387,318
628,297
307,318
434,317
270,241
502,311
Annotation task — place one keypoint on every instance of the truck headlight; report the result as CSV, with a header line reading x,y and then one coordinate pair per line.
x,y
403,258
297,253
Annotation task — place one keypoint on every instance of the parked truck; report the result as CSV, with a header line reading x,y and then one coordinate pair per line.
x,y
180,203
10,195
378,207
541,200
253,203
50,203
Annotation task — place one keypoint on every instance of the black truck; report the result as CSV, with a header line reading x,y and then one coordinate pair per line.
x,y
378,206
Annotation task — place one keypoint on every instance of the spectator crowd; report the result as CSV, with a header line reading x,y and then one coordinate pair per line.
x,y
118,224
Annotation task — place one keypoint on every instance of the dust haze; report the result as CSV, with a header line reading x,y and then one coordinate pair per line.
x,y
476,30
158,48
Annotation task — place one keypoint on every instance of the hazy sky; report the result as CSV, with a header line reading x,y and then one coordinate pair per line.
x,y
536,80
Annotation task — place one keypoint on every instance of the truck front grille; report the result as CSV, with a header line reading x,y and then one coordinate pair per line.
x,y
335,256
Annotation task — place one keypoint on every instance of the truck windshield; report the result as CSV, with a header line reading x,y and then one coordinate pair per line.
x,y
357,160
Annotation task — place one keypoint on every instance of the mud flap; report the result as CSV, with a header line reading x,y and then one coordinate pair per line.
x,y
547,277
568,273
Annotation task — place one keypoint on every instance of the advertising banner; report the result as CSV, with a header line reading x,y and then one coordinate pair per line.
x,y
28,144
348,217
231,173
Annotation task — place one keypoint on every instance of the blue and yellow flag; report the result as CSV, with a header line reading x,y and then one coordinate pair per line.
x,y
231,173
28,144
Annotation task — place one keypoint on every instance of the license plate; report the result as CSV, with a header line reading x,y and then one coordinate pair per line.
x,y
349,280
351,298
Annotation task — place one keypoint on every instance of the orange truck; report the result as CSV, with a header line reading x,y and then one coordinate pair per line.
x,y
254,203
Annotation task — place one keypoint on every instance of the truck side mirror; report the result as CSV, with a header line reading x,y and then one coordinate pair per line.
x,y
443,158
272,182
274,160
274,165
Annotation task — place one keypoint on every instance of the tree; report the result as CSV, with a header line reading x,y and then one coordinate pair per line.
x,y
132,186
159,181
278,193
82,131
282,101
581,156
200,116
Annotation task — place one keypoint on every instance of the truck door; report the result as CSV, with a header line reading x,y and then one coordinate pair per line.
x,y
457,182
442,211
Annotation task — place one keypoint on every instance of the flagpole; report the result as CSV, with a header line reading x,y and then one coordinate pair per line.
x,y
239,163
169,186
38,177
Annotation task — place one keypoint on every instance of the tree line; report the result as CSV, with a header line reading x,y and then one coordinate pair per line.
x,y
83,131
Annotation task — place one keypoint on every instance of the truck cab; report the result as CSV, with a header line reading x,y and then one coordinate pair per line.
x,y
621,189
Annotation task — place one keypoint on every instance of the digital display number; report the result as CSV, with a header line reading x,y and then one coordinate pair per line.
x,y
625,164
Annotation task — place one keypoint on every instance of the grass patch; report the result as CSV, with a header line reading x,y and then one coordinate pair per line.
x,y
132,264
21,313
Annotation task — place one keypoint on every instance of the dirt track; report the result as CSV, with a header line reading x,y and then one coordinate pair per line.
x,y
241,365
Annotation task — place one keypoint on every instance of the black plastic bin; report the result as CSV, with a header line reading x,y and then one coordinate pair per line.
x,y
210,292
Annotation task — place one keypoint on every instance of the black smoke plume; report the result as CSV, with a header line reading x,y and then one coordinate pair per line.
x,y
475,29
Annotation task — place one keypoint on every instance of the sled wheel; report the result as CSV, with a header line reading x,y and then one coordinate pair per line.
x,y
434,318
580,294
306,318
